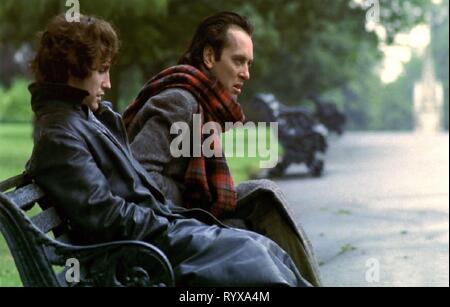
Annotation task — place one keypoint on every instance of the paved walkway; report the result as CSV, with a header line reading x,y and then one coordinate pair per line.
x,y
380,214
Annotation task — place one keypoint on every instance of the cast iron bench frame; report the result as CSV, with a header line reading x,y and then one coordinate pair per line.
x,y
38,255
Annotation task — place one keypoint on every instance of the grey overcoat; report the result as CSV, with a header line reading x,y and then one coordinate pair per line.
x,y
262,206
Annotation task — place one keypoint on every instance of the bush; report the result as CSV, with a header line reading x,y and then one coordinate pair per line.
x,y
15,102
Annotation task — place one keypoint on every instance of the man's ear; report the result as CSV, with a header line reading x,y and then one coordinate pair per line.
x,y
208,57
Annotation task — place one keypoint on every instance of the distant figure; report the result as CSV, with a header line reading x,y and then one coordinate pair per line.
x,y
302,138
328,114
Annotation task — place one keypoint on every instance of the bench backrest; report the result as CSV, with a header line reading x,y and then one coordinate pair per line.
x,y
39,245
29,238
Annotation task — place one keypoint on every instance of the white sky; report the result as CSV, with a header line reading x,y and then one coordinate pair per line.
x,y
399,53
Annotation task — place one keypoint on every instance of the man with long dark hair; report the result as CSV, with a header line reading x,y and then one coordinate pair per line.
x,y
210,76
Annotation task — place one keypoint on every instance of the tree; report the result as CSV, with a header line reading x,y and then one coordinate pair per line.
x,y
137,21
299,45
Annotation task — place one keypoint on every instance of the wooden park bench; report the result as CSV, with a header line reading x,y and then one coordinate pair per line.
x,y
45,256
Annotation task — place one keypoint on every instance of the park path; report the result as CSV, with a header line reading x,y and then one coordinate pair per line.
x,y
379,216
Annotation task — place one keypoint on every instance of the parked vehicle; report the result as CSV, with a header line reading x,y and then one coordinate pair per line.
x,y
303,138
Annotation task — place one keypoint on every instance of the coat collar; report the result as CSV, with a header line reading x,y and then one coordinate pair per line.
x,y
46,94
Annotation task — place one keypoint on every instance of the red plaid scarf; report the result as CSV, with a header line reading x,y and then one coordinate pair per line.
x,y
208,181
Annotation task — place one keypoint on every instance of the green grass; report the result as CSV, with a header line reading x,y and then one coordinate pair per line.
x,y
15,149
16,145
246,165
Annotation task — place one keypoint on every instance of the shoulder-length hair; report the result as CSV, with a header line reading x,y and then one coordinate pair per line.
x,y
212,32
73,48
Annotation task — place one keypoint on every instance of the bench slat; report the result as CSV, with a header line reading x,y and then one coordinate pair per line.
x,y
26,195
47,220
36,258
12,183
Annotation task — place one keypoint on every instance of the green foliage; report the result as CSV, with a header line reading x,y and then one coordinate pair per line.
x,y
315,48
371,105
400,15
398,98
389,107
299,45
129,87
15,102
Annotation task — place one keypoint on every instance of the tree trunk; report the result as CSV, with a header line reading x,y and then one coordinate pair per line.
x,y
113,94
8,67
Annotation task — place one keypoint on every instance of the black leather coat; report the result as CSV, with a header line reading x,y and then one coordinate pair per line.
x,y
83,162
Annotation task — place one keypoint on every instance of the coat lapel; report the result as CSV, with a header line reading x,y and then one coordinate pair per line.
x,y
110,124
